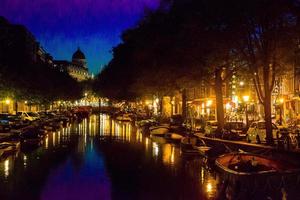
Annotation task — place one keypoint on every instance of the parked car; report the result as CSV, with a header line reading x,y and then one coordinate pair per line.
x,y
210,128
5,123
257,133
237,128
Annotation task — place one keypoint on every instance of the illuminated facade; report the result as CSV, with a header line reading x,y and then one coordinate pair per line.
x,y
77,68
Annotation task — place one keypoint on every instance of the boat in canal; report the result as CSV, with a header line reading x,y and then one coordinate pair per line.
x,y
256,173
159,131
173,137
125,117
31,135
194,145
240,164
7,148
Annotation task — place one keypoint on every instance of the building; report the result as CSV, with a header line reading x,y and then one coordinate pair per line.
x,y
18,50
77,68
16,42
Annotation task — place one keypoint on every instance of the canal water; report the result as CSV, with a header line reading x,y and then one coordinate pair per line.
x,y
100,158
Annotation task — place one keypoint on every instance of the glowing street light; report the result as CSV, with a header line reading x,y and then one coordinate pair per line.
x,y
7,101
246,98
281,100
228,106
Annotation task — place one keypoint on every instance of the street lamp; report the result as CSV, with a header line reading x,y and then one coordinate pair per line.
x,y
7,101
246,100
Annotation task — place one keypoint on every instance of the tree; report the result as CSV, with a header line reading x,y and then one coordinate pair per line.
x,y
266,32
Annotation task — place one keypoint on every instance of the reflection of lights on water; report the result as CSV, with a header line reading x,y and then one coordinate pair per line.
x,y
6,168
58,137
90,128
123,132
168,152
172,155
128,132
211,186
25,161
117,127
139,136
155,149
208,188
202,175
53,139
147,144
46,143
94,128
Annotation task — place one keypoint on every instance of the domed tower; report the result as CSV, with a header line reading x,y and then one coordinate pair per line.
x,y
78,58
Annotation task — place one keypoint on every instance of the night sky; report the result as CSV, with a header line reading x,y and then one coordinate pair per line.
x,y
63,25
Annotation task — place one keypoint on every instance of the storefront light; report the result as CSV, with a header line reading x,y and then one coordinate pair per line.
x,y
209,103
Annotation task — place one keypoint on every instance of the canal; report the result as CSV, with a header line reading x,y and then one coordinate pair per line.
x,y
100,158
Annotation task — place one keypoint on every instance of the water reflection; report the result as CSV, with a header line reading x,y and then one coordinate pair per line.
x,y
101,158
6,168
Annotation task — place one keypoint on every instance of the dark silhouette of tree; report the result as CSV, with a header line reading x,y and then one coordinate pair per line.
x,y
185,42
266,38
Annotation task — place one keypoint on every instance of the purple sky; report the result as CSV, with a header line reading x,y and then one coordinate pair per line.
x,y
63,25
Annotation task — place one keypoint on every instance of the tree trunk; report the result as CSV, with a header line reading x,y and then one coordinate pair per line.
x,y
219,98
267,107
184,108
16,106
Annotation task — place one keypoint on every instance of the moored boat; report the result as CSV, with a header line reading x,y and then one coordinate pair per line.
x,y
249,164
124,117
7,148
194,145
250,174
159,131
173,137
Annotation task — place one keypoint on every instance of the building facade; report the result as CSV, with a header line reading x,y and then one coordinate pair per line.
x,y
77,68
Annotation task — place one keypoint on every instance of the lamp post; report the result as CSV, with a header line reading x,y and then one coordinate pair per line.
x,y
246,99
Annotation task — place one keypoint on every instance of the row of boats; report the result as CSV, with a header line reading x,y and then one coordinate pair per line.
x,y
236,165
29,135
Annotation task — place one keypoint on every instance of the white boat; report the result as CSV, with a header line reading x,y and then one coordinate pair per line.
x,y
159,130
175,137
194,145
